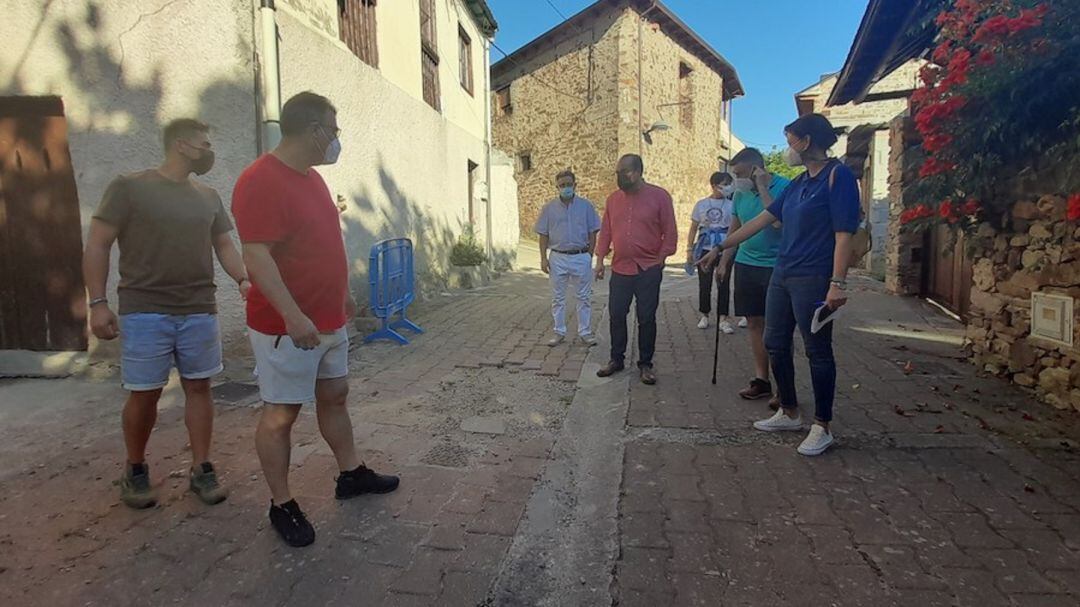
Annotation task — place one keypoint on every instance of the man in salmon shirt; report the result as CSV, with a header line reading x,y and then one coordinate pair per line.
x,y
299,305
639,221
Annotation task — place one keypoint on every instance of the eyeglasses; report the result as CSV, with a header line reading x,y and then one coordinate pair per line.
x,y
336,131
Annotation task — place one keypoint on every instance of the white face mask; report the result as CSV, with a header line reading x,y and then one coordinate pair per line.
x,y
332,152
743,184
727,191
793,157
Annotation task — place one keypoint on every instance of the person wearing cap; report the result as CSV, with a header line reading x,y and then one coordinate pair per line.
x,y
819,212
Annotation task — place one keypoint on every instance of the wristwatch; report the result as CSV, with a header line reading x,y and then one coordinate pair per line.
x,y
836,282
97,300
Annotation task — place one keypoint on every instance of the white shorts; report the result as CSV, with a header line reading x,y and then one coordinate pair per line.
x,y
287,374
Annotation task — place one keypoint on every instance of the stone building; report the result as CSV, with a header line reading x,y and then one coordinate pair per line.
x,y
607,82
87,85
865,142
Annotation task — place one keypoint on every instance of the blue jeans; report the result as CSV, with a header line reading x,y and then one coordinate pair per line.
x,y
791,302
152,344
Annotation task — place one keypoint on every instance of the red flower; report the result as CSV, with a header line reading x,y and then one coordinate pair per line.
x,y
985,57
937,142
919,211
941,53
946,211
992,30
971,207
1074,207
934,166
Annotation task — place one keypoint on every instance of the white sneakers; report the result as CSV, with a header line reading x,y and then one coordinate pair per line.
x,y
742,323
816,442
554,341
725,328
703,323
779,422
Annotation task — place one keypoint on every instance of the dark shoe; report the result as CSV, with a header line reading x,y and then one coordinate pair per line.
x,y
758,388
204,483
648,376
364,480
774,402
610,369
135,489
291,524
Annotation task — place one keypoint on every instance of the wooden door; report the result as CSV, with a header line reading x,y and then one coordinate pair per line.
x,y
42,301
949,270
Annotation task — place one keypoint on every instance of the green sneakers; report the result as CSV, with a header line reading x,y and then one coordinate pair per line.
x,y
204,483
135,489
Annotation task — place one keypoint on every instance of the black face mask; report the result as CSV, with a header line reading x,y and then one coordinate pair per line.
x,y
625,183
203,164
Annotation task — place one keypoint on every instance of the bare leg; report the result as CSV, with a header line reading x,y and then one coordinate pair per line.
x,y
138,418
199,417
757,346
334,423
273,444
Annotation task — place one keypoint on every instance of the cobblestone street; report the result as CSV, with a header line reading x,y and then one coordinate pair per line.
x,y
945,488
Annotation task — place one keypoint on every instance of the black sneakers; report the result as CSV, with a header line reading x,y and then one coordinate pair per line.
x,y
364,480
291,524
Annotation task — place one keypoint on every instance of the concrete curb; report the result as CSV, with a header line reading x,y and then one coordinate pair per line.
x,y
568,540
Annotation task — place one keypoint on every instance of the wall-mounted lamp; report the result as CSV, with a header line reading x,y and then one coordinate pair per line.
x,y
657,126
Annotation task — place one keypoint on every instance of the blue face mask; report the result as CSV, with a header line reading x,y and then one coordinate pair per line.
x,y
566,193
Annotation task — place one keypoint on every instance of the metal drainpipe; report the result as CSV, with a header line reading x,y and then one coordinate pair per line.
x,y
271,77
490,244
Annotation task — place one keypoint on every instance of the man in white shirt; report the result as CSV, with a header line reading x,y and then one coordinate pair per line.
x,y
568,225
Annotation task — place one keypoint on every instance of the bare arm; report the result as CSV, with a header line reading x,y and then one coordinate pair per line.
x,y
746,232
545,241
690,239
99,244
264,271
230,259
592,242
725,259
841,260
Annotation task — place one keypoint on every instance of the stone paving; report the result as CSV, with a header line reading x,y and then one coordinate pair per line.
x,y
944,489
439,540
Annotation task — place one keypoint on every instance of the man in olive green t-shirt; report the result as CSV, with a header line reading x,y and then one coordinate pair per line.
x,y
167,226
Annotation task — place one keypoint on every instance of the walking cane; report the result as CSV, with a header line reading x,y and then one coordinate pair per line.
x,y
716,347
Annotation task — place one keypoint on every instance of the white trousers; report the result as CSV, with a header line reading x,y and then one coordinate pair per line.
x,y
567,269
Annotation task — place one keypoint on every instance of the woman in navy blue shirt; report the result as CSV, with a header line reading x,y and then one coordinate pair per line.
x,y
818,212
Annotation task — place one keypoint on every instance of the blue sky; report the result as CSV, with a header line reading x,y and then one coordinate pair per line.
x,y
778,47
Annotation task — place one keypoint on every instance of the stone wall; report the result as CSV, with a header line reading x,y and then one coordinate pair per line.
x,y
903,249
577,106
563,115
1038,252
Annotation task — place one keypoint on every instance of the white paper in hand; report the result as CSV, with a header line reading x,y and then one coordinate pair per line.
x,y
822,316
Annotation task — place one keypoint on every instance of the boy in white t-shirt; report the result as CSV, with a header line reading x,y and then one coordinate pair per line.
x,y
709,224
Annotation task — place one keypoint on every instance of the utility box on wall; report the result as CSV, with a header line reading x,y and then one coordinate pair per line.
x,y
1052,318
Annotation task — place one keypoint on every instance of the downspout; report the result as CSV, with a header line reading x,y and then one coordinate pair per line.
x,y
490,237
270,92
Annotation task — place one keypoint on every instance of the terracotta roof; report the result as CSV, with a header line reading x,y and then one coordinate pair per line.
x,y
654,10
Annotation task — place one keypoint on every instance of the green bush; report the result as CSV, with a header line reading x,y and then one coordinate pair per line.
x,y
466,251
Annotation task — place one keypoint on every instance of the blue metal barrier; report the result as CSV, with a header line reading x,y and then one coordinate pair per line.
x,y
392,287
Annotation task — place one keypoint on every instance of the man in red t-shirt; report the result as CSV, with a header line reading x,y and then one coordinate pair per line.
x,y
639,223
299,305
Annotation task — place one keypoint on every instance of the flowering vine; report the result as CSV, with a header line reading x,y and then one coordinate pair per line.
x,y
961,108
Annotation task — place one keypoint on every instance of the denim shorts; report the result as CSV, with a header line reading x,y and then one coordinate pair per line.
x,y
153,343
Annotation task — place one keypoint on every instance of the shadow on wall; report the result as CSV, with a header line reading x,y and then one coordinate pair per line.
x,y
404,216
117,129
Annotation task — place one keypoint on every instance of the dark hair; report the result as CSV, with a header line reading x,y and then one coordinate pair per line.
x,y
821,131
720,177
303,109
751,156
566,173
637,163
182,128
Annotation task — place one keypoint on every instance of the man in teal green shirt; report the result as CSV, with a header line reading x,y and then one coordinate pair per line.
x,y
756,189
